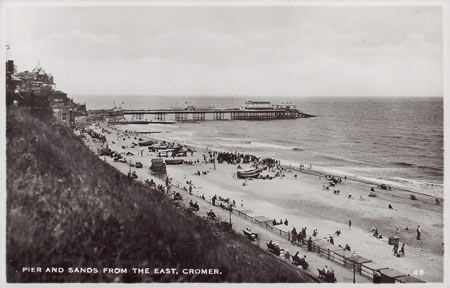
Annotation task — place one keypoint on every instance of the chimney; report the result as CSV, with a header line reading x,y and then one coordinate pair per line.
x,y
10,66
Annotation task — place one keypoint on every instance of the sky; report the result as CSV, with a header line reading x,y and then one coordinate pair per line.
x,y
237,51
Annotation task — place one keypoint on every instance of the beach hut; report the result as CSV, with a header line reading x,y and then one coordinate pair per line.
x,y
319,244
329,250
158,167
263,221
389,275
252,215
408,279
369,268
393,240
242,211
282,230
359,260
343,255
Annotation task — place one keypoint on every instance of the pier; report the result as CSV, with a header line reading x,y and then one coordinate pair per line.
x,y
253,110
179,115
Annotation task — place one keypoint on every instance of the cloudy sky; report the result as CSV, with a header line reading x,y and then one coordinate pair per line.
x,y
248,51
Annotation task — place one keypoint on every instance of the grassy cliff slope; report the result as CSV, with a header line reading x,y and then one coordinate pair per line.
x,y
66,208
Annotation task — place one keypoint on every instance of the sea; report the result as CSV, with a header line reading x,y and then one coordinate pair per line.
x,y
396,141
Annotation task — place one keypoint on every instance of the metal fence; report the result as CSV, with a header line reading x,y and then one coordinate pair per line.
x,y
363,266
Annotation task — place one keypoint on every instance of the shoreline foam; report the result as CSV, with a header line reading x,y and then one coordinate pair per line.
x,y
321,171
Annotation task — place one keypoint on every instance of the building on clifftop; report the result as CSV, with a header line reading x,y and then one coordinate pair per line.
x,y
39,86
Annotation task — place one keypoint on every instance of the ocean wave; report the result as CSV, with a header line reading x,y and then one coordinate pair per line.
x,y
339,158
164,125
406,164
253,145
411,165
419,186
233,139
430,170
417,183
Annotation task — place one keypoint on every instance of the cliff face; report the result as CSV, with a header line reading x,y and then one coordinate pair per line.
x,y
67,209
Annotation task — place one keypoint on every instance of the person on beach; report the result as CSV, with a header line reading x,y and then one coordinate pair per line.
x,y
287,255
214,200
294,235
390,207
395,249
331,239
402,250
286,222
349,224
195,206
375,233
377,277
418,232
309,244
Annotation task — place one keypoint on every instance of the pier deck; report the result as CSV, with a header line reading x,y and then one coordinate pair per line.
x,y
213,114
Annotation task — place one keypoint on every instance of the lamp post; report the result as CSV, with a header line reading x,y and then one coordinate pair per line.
x,y
231,210
354,266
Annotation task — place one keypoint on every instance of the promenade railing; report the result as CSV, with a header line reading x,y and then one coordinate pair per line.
x,y
363,266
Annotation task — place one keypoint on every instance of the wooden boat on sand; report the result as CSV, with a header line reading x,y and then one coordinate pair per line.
x,y
253,173
174,161
145,143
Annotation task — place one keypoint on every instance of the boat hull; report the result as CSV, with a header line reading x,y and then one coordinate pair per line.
x,y
174,161
248,174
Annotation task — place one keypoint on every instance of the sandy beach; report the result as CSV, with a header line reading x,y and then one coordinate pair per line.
x,y
305,203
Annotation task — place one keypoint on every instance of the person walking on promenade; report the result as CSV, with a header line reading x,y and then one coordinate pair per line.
x,y
294,235
309,244
287,255
418,232
349,224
